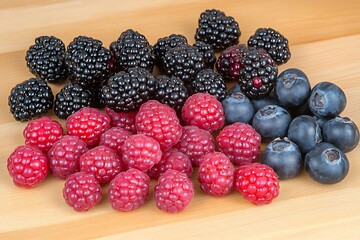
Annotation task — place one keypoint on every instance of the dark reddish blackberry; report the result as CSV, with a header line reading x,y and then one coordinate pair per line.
x,y
228,64
208,81
164,44
45,59
29,99
273,42
208,52
217,29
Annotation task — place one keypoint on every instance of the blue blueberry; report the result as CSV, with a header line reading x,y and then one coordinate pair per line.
x,y
284,157
234,89
326,164
342,133
271,99
271,121
301,110
321,121
327,100
237,108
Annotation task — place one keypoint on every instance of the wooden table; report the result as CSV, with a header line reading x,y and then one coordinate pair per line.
x,y
325,43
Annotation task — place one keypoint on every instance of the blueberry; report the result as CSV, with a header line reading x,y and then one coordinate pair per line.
x,y
342,133
284,157
301,110
234,89
237,108
326,164
271,121
305,132
321,121
271,99
327,100
292,88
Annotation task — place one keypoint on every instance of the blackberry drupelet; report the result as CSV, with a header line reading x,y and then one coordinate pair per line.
x,y
208,81
46,59
95,90
217,29
228,64
164,44
29,99
273,42
208,52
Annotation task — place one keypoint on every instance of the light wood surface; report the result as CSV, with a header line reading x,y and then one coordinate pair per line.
x,y
325,43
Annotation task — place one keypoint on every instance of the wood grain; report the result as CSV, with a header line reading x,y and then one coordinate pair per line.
x,y
325,44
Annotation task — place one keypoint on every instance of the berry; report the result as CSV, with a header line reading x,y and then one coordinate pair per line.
x,y
164,44
326,164
28,166
275,44
160,122
64,156
129,190
237,108
270,99
234,89
45,59
42,133
125,120
204,111
229,64
29,99
208,81
173,191
102,162
321,121
301,110
216,174
114,138
88,124
81,191
217,29
240,143
208,52
141,152
172,159
258,183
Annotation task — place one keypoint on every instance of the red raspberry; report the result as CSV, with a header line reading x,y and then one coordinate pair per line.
x,y
103,162
82,191
88,124
42,133
65,154
27,165
240,142
125,120
204,111
160,122
216,174
141,152
258,183
114,138
195,143
172,159
173,192
129,190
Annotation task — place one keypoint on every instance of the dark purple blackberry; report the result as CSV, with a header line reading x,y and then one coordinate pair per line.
x,y
46,59
208,81
164,44
273,42
95,91
29,99
228,64
217,29
208,52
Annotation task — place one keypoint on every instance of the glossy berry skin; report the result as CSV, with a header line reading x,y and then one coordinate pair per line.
x,y
229,64
216,174
173,191
237,108
129,190
327,100
27,166
164,44
342,133
326,164
208,81
284,157
42,133
81,191
321,121
125,120
114,138
64,156
270,99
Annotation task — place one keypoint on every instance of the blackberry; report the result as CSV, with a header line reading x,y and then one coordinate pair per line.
x,y
228,64
30,99
208,52
164,44
126,91
95,90
131,50
46,59
208,81
71,98
273,42
217,29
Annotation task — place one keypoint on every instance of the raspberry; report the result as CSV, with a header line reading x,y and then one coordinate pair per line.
x,y
82,191
114,138
42,133
240,143
258,183
103,162
173,192
27,166
195,143
125,120
160,122
216,174
172,159
204,111
141,152
65,154
129,190
88,124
